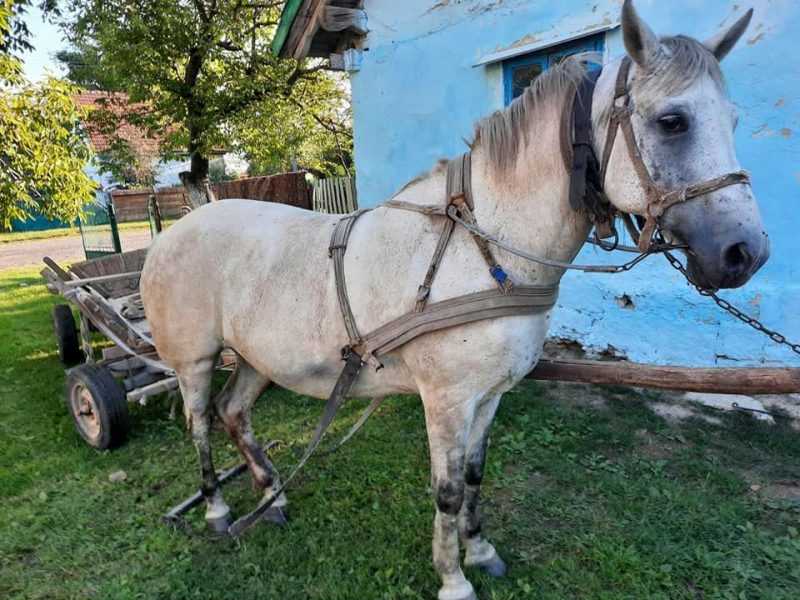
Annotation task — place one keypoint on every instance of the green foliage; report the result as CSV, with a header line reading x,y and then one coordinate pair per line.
x,y
206,73
276,133
42,154
86,70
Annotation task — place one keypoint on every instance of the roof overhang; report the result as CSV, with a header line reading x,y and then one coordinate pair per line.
x,y
541,44
318,28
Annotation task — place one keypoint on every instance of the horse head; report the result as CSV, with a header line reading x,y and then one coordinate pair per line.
x,y
682,121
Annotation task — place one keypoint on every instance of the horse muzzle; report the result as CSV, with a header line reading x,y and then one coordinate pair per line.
x,y
729,264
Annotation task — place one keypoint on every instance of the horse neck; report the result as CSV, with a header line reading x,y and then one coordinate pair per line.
x,y
527,204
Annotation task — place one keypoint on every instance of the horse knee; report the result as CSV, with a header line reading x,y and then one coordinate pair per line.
x,y
450,496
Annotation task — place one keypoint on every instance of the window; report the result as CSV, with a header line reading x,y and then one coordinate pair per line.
x,y
519,72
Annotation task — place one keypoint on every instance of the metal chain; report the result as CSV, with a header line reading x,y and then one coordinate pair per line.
x,y
776,337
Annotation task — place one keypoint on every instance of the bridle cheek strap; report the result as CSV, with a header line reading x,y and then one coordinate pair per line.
x,y
657,199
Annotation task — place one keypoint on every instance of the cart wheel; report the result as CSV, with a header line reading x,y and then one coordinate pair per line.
x,y
98,406
69,347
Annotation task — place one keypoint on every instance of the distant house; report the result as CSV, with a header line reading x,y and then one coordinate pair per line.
x,y
145,147
423,71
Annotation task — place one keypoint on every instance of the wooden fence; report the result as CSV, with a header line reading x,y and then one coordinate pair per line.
x,y
285,188
335,195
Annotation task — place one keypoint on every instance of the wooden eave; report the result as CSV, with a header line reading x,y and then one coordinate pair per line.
x,y
300,34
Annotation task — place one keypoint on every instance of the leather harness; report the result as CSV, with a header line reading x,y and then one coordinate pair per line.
x,y
587,178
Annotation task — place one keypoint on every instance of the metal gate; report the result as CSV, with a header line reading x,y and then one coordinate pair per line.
x,y
99,232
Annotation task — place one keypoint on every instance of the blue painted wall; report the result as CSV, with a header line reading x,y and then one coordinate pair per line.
x,y
418,94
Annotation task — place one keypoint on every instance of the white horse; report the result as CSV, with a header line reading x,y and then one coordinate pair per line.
x,y
256,277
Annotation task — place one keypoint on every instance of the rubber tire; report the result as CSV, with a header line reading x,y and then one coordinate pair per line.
x,y
109,398
67,339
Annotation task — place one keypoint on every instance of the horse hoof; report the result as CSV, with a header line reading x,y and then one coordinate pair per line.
x,y
461,591
219,525
275,516
495,566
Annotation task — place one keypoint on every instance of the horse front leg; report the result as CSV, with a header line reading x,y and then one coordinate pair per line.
x,y
479,552
448,418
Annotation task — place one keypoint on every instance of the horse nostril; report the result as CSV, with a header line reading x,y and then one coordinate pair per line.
x,y
737,258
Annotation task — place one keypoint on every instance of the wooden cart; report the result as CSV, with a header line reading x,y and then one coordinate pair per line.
x,y
105,292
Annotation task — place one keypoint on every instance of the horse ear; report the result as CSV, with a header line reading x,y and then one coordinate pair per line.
x,y
724,41
641,43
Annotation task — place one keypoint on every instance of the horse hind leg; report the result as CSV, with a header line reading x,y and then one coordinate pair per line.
x,y
233,405
195,383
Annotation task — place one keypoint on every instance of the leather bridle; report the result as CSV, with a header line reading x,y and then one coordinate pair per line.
x,y
584,163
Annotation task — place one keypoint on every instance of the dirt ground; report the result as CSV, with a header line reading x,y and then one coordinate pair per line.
x,y
61,249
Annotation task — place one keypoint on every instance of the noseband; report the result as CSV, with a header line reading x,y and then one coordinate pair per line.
x,y
587,180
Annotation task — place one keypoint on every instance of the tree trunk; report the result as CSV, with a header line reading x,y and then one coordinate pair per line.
x,y
196,181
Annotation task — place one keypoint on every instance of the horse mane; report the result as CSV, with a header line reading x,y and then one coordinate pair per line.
x,y
501,133
681,62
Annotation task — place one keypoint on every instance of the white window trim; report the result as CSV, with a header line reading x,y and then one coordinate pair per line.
x,y
502,55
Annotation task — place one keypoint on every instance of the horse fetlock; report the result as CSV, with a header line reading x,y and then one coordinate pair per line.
x,y
262,479
482,554
457,589
218,513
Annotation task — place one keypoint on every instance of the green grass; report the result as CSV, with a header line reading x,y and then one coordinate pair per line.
x,y
584,502
46,234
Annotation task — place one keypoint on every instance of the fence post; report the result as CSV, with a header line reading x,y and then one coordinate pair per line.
x,y
112,220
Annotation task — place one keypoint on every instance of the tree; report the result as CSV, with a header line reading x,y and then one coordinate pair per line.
x,y
42,154
85,69
309,129
203,67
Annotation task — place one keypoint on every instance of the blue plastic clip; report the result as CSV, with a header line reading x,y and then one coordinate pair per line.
x,y
498,274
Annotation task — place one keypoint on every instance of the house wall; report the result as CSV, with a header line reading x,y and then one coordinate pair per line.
x,y
418,94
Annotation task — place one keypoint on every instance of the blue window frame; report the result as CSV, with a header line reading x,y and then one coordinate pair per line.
x,y
519,72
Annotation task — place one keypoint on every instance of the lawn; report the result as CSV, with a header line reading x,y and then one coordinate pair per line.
x,y
589,494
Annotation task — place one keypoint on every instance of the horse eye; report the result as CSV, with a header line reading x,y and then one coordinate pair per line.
x,y
673,123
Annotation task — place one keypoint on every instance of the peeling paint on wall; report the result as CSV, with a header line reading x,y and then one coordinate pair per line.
x,y
755,39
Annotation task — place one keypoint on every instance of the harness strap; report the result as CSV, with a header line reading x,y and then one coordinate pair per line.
x,y
425,289
346,379
459,180
336,251
664,200
459,195
618,113
477,306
